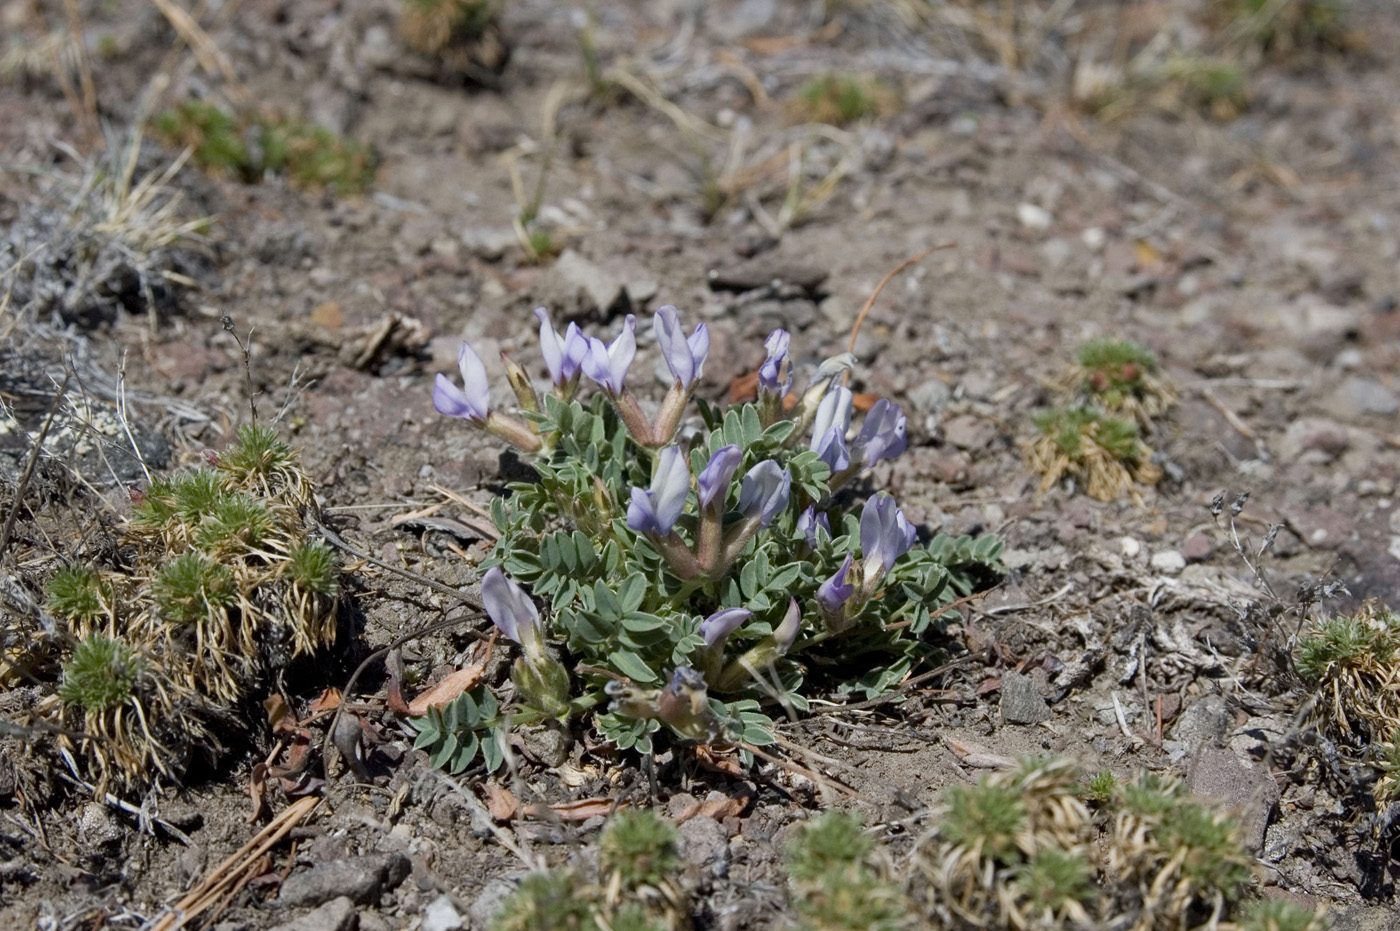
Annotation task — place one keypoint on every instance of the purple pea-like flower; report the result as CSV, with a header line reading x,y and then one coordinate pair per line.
x,y
765,490
768,374
714,479
786,633
715,628
684,356
882,436
829,428
810,523
885,536
472,401
607,365
657,510
511,610
563,357
836,591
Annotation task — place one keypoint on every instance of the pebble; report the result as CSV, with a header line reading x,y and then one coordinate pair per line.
x,y
1129,547
1220,775
362,879
706,845
969,432
1325,438
336,915
442,915
484,907
1197,548
1359,395
1204,722
1169,561
578,278
1033,217
1021,701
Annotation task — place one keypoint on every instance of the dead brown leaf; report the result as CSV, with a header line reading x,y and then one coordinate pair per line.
x,y
440,693
329,700
976,755
279,716
584,809
500,801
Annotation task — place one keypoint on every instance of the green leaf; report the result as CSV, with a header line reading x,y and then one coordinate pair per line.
x,y
491,750
607,605
439,757
464,756
631,593
632,666
640,623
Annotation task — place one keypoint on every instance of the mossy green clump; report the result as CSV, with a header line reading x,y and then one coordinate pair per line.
x,y
77,593
100,674
1277,915
192,587
639,847
638,887
1103,454
220,581
842,99
1100,787
1281,30
248,146
1149,850
835,886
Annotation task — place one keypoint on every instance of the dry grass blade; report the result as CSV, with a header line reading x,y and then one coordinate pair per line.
x,y
870,301
228,875
210,57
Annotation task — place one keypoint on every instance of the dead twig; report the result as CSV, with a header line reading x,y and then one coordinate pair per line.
x,y
870,302
28,472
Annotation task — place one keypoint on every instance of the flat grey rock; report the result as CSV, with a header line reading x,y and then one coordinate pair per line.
x,y
1220,775
336,915
1021,702
360,879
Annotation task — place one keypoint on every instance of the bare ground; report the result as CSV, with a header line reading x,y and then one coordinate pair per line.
x,y
1256,256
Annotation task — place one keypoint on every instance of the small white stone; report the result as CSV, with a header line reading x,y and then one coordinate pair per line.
x,y
1094,238
1033,217
1130,547
1168,561
442,915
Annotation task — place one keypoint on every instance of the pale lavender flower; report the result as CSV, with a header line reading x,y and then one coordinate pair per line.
x,y
607,365
811,523
882,436
563,357
885,536
713,480
786,634
831,449
772,369
829,428
715,628
657,510
472,401
833,594
764,493
684,356
511,610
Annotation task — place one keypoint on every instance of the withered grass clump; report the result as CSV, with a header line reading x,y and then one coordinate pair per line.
x,y
1350,661
1103,454
220,585
1120,377
1021,849
462,35
1110,402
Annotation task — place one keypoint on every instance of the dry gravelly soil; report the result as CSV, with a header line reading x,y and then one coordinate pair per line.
x,y
1259,258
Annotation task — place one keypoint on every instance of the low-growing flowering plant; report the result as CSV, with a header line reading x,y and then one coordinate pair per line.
x,y
697,572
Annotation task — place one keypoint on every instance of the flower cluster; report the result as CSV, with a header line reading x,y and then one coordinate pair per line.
x,y
681,563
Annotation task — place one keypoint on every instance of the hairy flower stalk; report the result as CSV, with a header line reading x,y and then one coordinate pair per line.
x,y
655,511
774,377
472,403
763,654
806,411
763,495
713,483
685,357
542,680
